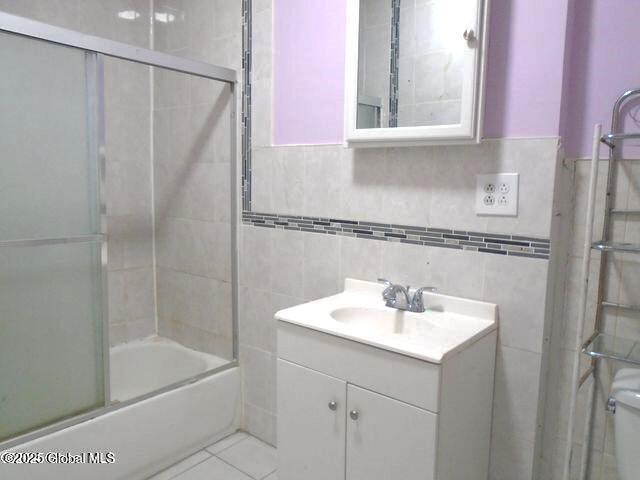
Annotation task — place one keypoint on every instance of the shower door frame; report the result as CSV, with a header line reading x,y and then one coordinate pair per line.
x,y
96,49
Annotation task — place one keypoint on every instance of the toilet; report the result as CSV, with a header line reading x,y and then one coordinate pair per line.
x,y
625,402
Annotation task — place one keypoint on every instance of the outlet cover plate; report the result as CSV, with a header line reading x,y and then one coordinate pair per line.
x,y
497,194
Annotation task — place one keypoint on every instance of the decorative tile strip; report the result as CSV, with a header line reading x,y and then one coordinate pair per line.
x,y
496,244
246,103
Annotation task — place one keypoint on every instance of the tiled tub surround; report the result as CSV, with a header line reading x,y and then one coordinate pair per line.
x,y
192,212
192,176
129,201
498,244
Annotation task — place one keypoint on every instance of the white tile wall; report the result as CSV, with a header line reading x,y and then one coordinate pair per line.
x,y
326,260
128,188
416,186
622,279
192,181
432,186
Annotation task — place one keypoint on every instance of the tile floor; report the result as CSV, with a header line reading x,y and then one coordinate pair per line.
x,y
237,457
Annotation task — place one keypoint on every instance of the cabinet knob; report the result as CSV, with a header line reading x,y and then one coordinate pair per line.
x,y
354,414
333,405
469,35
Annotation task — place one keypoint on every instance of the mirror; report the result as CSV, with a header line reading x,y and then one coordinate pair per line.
x,y
415,71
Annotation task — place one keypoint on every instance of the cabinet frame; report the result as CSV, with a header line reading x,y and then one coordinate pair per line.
x,y
469,131
459,391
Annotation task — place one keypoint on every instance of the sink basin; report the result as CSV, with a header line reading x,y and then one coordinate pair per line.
x,y
359,314
387,321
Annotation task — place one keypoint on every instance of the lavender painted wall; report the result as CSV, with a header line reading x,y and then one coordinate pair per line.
x,y
309,38
525,68
602,64
524,78
533,88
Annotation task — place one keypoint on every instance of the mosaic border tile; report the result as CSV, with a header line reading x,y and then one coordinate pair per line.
x,y
247,12
496,244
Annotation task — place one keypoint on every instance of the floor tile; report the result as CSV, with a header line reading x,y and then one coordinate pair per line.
x,y
252,456
226,442
182,466
213,469
273,476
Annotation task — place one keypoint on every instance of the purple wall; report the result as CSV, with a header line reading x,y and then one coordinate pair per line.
x,y
602,64
309,39
532,89
525,68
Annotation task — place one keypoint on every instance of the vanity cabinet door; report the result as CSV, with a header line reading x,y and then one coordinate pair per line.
x,y
311,424
388,439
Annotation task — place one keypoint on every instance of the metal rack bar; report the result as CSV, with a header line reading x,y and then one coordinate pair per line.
x,y
616,247
611,138
589,340
597,356
605,246
585,376
614,348
634,308
622,211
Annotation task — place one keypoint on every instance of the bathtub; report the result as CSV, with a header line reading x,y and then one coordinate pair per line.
x,y
144,366
148,435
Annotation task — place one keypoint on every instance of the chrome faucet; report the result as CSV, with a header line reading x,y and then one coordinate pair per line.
x,y
406,302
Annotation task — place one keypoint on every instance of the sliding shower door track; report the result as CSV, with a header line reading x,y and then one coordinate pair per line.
x,y
42,31
39,242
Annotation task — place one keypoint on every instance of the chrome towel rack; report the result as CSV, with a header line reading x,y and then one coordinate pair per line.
x,y
600,345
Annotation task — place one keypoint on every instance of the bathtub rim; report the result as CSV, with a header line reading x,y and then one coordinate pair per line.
x,y
153,341
112,407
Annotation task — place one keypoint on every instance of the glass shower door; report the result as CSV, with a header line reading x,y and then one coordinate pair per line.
x,y
52,349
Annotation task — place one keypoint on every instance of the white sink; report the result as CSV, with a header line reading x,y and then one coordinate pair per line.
x,y
359,314
385,321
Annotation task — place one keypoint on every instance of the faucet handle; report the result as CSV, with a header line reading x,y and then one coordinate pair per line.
x,y
417,304
387,293
427,289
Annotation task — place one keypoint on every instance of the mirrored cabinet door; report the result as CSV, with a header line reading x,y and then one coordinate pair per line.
x,y
414,71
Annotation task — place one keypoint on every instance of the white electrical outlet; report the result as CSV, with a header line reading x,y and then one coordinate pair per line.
x,y
497,194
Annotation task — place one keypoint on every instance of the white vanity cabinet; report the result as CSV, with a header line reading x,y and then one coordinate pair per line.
x,y
327,424
387,438
368,392
338,419
311,435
